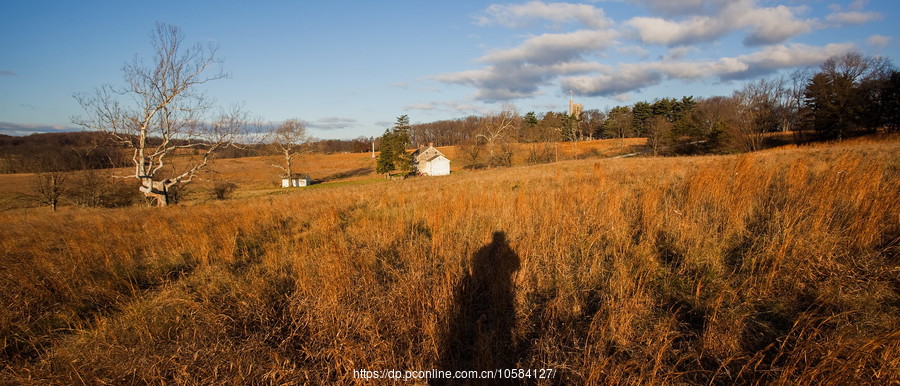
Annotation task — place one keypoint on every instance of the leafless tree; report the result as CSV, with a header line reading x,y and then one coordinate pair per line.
x,y
712,113
659,134
290,140
496,130
759,105
50,187
618,123
160,111
795,98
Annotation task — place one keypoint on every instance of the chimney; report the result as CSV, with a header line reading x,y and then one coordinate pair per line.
x,y
430,144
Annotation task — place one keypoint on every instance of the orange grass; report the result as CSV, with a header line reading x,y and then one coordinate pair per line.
x,y
780,266
255,176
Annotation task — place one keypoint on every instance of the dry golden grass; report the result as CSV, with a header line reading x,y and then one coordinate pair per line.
x,y
255,176
780,266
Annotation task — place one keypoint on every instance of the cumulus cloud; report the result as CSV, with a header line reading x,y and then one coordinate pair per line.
x,y
633,77
853,17
525,15
519,72
857,5
548,49
768,25
678,53
576,60
879,41
655,30
682,7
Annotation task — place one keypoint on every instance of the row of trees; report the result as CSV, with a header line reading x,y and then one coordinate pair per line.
x,y
848,94
58,152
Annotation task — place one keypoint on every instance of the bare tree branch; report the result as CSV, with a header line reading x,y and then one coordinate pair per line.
x,y
160,110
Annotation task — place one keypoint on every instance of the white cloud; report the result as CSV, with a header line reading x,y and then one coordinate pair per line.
x,y
858,5
633,50
879,41
796,55
678,53
573,60
632,77
771,25
765,25
520,72
655,30
853,17
682,7
331,123
524,15
553,48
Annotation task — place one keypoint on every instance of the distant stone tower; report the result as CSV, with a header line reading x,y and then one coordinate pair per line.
x,y
574,108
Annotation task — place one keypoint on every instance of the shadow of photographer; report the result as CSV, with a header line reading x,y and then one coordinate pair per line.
x,y
480,334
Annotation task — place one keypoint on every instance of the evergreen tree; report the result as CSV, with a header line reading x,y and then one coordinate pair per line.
x,y
641,114
394,142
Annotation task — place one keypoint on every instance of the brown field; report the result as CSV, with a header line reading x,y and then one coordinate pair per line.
x,y
255,176
780,266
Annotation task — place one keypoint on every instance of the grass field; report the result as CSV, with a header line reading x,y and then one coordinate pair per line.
x,y
255,176
779,266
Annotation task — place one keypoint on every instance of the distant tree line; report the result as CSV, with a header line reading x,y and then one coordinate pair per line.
x,y
847,95
58,152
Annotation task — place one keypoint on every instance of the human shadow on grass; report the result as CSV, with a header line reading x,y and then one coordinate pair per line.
x,y
480,333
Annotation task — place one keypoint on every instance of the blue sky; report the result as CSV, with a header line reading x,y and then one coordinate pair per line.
x,y
349,68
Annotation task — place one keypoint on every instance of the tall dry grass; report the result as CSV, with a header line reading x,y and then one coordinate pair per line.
x,y
779,266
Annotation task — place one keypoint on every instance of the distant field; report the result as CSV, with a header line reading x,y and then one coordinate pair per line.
x,y
255,176
779,266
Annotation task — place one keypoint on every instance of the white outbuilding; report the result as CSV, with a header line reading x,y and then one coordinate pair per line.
x,y
295,181
428,161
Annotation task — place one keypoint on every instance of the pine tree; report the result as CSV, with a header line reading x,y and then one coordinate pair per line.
x,y
393,155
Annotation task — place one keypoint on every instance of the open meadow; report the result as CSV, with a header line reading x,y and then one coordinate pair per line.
x,y
256,176
778,266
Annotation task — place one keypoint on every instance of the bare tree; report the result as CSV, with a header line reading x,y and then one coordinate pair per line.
x,y
496,130
659,134
160,111
759,105
50,187
795,88
712,113
619,123
290,140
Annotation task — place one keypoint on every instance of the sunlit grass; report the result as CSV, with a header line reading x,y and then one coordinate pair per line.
x,y
779,266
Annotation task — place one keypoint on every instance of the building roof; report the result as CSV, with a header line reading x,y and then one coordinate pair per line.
x,y
426,154
435,157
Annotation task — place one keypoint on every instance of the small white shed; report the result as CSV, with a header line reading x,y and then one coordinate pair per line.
x,y
294,182
430,162
435,166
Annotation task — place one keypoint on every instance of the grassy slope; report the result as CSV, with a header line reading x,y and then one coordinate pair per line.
x,y
775,266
